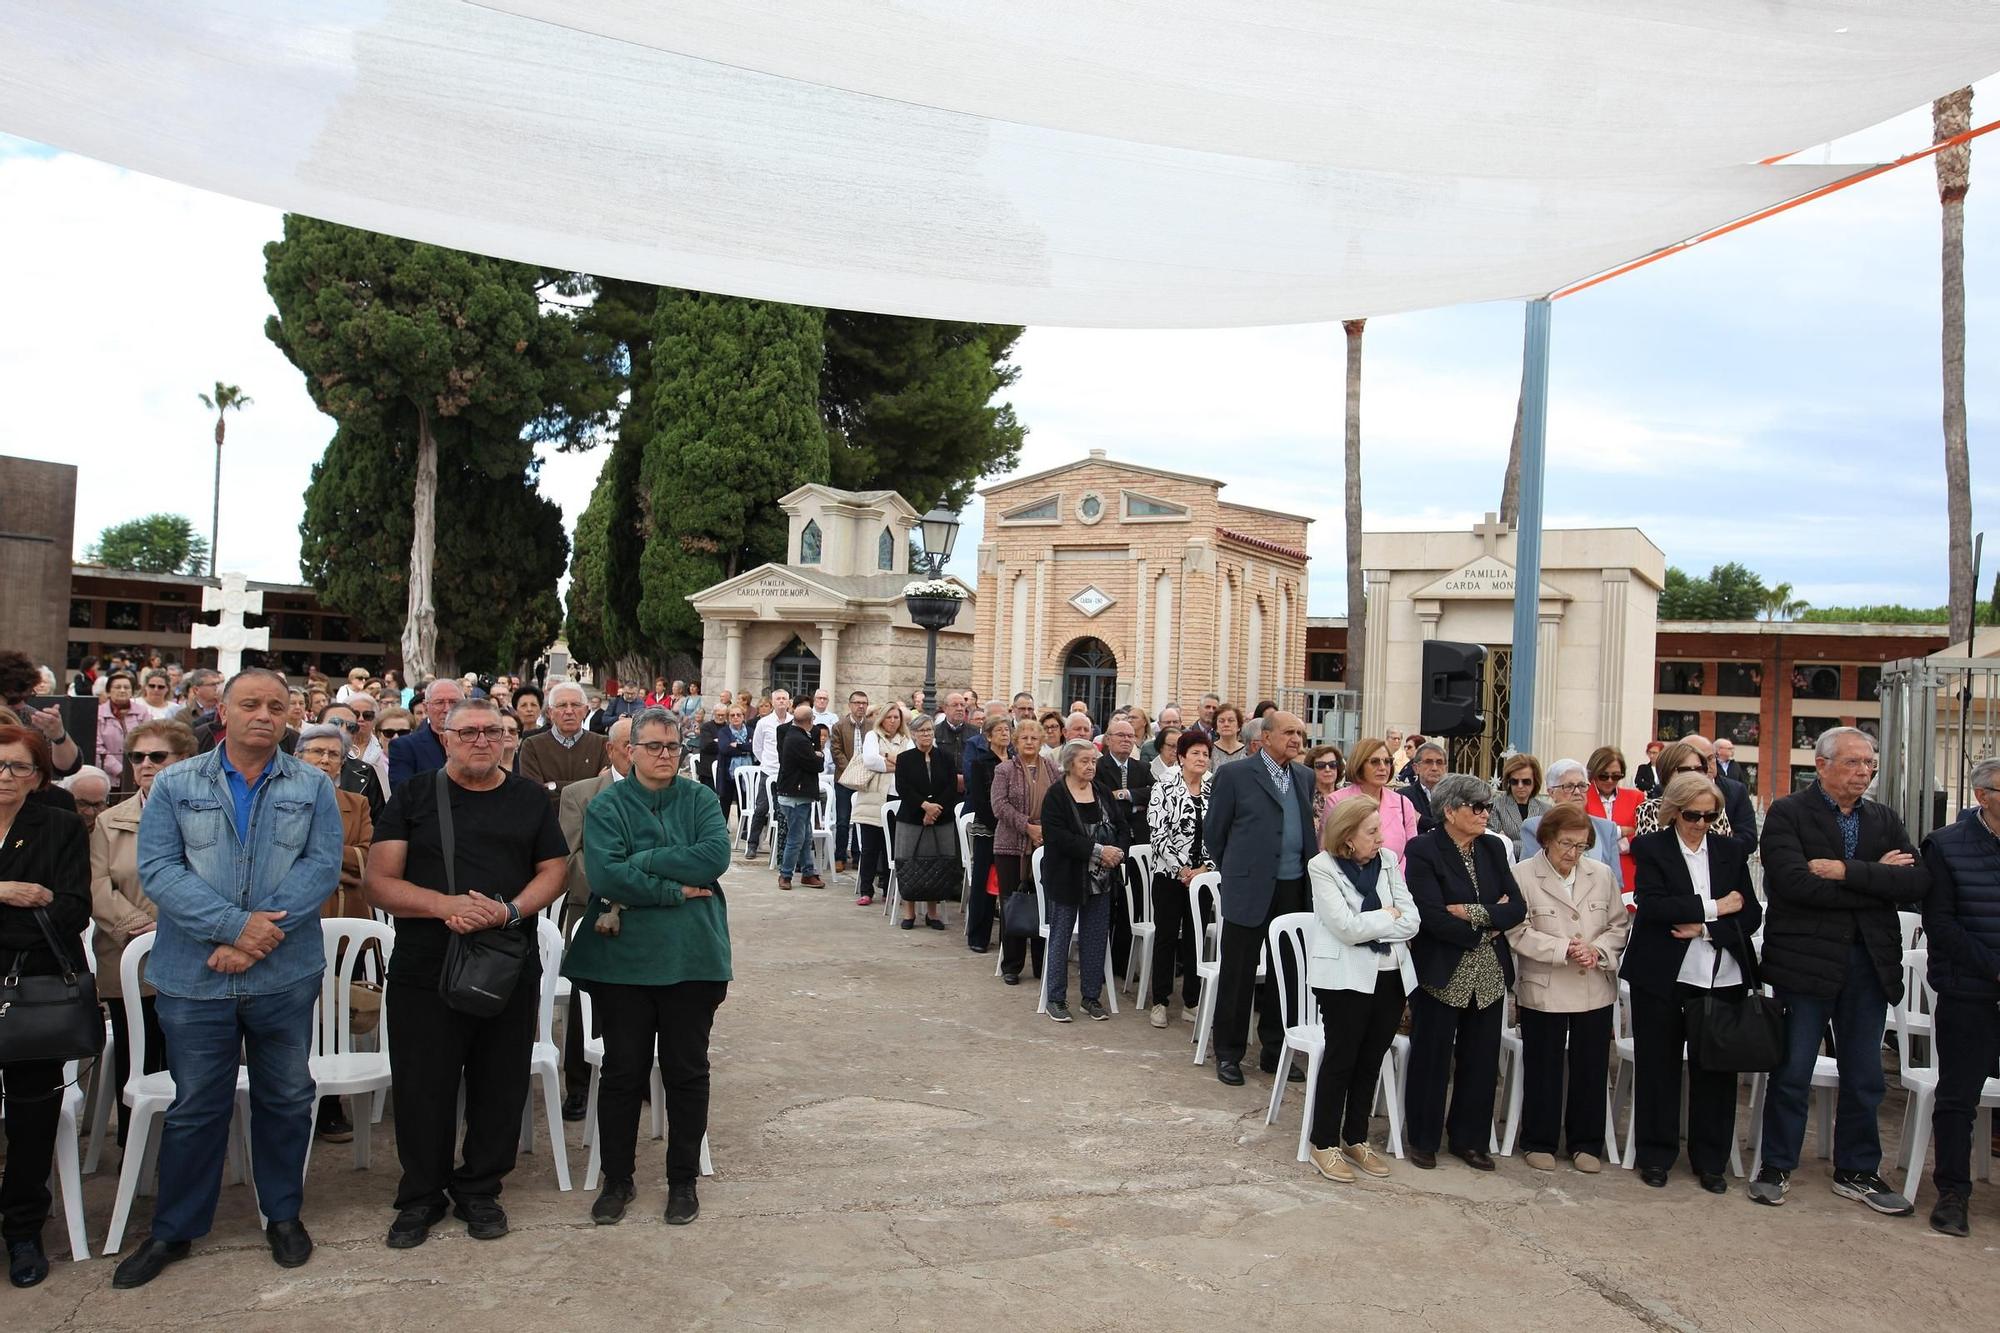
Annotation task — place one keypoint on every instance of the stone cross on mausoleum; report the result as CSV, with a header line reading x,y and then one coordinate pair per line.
x,y
1491,531
229,636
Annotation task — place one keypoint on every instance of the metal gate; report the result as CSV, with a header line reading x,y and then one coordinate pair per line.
x,y
1480,755
1940,716
1090,673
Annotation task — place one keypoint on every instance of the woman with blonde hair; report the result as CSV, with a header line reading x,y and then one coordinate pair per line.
x,y
1360,972
886,739
1369,770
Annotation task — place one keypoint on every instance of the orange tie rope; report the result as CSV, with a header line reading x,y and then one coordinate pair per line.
x,y
1868,173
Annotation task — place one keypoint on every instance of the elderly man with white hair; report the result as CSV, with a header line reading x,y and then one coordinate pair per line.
x,y
90,788
566,751
1569,784
422,751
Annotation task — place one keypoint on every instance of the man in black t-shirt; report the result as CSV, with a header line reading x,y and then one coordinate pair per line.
x,y
509,859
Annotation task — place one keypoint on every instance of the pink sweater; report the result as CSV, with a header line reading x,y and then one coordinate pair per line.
x,y
1399,817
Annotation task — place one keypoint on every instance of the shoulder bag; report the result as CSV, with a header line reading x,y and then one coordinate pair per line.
x,y
1739,1036
481,969
49,1017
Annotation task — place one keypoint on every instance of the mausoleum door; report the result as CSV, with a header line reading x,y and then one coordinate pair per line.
x,y
1090,673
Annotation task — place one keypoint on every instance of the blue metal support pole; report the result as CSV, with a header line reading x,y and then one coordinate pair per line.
x,y
1528,531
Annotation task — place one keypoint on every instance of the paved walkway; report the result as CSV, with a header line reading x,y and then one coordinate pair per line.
x,y
901,1143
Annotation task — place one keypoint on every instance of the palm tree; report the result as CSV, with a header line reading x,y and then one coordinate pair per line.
x,y
228,398
1510,484
1779,604
1357,605
1951,115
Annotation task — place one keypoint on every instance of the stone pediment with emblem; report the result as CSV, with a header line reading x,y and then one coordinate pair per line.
x,y
771,591
1489,576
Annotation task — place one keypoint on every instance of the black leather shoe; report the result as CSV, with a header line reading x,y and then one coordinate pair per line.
x,y
1228,1071
144,1264
1948,1217
1423,1161
609,1209
978,948
483,1216
682,1205
576,1106
1656,1176
27,1263
1714,1184
1296,1075
290,1245
1476,1158
412,1226
1011,978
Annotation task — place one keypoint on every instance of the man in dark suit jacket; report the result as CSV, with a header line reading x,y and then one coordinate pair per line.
x,y
1426,770
422,751
1260,833
1127,781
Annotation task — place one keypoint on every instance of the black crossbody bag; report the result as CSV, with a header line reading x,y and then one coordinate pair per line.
x,y
480,969
1741,1036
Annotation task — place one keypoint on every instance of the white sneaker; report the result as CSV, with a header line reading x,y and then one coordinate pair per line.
x,y
1189,1015
1158,1015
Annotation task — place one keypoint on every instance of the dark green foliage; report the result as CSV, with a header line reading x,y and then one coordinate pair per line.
x,y
1890,615
498,557
155,544
908,405
1730,592
732,424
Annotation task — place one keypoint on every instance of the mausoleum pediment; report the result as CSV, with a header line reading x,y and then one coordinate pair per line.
x,y
1486,577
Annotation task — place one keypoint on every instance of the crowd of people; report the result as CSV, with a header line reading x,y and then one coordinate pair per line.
x,y
228,818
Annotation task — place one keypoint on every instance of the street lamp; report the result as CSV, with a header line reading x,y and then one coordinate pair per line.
x,y
934,604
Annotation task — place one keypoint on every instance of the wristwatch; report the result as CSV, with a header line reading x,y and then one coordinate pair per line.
x,y
513,914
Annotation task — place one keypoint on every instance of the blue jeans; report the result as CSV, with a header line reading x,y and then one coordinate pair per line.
x,y
798,825
1858,1014
1092,924
204,1037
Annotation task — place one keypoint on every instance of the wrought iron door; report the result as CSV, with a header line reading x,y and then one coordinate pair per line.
x,y
1090,673
1481,754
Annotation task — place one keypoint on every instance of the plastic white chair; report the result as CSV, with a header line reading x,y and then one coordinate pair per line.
x,y
1207,956
1919,1077
339,1068
69,1165
1513,852
963,822
750,783
1304,1033
891,898
545,1062
1042,914
593,1055
103,1090
149,1096
1139,912
1511,1057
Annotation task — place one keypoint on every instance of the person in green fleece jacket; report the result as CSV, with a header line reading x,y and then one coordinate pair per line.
x,y
654,846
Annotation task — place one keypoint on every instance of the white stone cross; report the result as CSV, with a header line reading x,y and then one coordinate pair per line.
x,y
1491,531
230,636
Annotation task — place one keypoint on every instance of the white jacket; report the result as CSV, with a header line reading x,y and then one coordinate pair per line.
x,y
1338,942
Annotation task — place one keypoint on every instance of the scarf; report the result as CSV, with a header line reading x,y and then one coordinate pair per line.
x,y
1365,877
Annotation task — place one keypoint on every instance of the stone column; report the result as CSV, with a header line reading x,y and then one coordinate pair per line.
x,y
1374,672
732,656
829,665
1140,643
1611,658
1548,633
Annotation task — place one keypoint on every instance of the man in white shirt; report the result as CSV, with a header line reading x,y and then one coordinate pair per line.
x,y
764,749
824,716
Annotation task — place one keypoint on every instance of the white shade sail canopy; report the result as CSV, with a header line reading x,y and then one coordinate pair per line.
x,y
1091,162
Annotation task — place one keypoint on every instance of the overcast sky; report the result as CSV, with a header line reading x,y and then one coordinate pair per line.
x,y
1772,397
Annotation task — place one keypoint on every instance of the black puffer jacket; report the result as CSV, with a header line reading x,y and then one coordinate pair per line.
x,y
1810,923
1962,911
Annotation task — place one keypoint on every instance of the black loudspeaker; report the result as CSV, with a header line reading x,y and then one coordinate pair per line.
x,y
1454,682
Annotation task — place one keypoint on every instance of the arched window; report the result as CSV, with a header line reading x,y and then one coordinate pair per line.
x,y
1090,673
795,670
885,551
809,543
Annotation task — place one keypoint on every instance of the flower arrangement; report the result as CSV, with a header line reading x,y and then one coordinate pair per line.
x,y
934,588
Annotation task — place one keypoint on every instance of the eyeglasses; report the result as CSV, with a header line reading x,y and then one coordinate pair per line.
x,y
1571,845
1619,776
1692,768
473,735
393,732
18,768
368,716
344,725
1700,816
1571,786
658,747
151,756
321,752
1327,765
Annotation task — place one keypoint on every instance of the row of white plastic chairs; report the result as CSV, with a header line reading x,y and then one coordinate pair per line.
x,y
357,951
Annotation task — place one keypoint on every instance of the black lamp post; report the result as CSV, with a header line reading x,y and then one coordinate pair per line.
x,y
940,530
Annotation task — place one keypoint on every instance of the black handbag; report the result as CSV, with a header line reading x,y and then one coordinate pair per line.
x,y
1745,1035
482,969
1020,919
49,1017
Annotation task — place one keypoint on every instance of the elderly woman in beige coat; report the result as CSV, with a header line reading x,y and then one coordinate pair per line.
x,y
118,902
1565,964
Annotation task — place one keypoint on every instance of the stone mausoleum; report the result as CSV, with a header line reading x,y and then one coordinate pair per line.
x,y
832,614
1116,583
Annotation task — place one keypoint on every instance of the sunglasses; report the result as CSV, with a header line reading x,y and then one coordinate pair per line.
x,y
1327,765
1480,807
1520,782
1700,816
1619,776
1692,768
151,756
393,732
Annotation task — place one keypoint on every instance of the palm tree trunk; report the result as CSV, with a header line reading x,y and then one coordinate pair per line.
x,y
1357,604
1952,115
1510,485
420,621
215,514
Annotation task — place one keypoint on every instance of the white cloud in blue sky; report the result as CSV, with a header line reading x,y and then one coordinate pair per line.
x,y
1771,397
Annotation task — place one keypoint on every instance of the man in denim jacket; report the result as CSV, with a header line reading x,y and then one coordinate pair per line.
x,y
238,848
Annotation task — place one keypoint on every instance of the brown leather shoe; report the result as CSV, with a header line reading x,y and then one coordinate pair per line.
x,y
840,867
812,881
